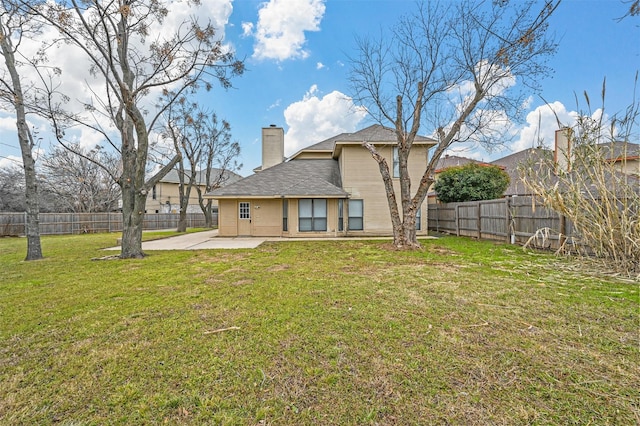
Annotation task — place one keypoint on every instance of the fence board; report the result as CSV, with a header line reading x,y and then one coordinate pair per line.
x,y
514,219
13,224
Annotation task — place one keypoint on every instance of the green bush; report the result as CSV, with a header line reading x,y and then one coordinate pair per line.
x,y
471,182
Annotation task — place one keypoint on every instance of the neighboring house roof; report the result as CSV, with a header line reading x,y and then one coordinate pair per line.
x,y
454,161
618,151
299,178
530,158
201,176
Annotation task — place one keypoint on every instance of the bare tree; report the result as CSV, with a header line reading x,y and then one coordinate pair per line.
x,y
206,147
180,124
15,25
219,159
450,67
129,69
80,185
12,193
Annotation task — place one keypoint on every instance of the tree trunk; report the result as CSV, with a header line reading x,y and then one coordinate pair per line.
x,y
404,230
182,217
134,195
208,215
132,224
34,248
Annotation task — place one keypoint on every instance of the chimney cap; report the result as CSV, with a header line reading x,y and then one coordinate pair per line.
x,y
272,125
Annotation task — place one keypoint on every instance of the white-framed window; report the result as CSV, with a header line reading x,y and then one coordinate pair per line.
x,y
312,214
245,210
396,163
340,215
356,215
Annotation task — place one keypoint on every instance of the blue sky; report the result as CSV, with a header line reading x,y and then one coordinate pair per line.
x,y
296,54
592,45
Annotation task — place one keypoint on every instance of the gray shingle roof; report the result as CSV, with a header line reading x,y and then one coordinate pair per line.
x,y
201,177
377,133
297,178
454,161
530,158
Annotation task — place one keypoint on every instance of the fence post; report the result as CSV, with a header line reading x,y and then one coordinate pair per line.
x,y
507,217
457,221
563,230
479,217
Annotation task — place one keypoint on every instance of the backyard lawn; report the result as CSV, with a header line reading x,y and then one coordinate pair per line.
x,y
314,333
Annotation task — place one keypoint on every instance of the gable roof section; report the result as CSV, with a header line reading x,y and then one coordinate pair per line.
x,y
293,179
376,134
379,134
201,176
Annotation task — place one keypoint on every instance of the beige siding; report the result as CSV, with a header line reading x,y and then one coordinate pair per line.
x,y
266,218
630,166
314,155
361,178
228,218
168,192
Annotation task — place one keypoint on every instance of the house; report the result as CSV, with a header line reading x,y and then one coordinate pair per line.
x,y
534,158
625,155
332,188
165,195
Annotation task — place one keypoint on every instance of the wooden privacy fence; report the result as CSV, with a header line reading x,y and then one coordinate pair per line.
x,y
514,220
78,223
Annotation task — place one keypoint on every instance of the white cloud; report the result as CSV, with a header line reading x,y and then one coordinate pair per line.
x,y
280,31
8,123
314,118
10,162
320,65
276,104
247,29
541,125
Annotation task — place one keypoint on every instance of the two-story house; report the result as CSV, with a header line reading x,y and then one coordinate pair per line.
x,y
329,189
165,195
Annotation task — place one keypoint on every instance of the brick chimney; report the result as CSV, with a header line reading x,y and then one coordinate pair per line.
x,y
272,146
563,154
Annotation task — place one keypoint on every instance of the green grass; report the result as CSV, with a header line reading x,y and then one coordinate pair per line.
x,y
317,332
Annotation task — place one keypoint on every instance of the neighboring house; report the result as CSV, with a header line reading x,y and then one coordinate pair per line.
x,y
165,195
531,158
332,188
624,154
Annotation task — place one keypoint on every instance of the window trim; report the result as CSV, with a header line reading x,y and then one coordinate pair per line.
x,y
244,210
